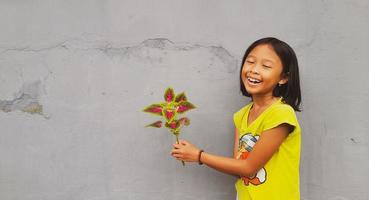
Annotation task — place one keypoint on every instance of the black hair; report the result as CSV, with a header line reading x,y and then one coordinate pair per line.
x,y
290,91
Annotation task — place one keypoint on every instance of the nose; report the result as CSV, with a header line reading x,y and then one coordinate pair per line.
x,y
254,68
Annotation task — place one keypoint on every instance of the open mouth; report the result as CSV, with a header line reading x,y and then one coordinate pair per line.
x,y
253,81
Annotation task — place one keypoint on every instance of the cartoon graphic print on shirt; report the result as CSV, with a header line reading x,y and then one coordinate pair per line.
x,y
246,143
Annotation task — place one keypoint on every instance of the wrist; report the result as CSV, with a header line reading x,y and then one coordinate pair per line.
x,y
199,156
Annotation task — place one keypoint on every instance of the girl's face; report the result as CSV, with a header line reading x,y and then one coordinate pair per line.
x,y
262,71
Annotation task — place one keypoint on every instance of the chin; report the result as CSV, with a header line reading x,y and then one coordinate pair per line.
x,y
253,91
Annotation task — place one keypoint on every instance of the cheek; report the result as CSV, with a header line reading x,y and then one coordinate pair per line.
x,y
243,72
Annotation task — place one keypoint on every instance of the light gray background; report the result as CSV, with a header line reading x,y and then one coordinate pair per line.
x,y
74,76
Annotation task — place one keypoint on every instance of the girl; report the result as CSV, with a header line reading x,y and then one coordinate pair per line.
x,y
267,134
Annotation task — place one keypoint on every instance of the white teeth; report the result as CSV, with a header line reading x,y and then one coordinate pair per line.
x,y
253,80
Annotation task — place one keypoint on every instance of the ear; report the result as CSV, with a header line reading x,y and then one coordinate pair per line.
x,y
283,80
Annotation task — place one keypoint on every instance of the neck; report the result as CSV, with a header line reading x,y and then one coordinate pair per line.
x,y
262,101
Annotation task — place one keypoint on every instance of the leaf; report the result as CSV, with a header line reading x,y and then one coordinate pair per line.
x,y
172,125
169,114
184,121
185,106
169,95
156,124
180,97
154,109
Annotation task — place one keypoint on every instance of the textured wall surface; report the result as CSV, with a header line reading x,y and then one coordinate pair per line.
x,y
74,76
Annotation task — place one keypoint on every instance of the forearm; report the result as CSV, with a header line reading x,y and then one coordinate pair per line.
x,y
228,165
189,153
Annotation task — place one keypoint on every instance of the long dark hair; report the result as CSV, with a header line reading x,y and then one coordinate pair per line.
x,y
290,91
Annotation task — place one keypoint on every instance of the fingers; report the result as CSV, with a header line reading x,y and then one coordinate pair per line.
x,y
182,150
181,143
177,146
177,154
184,142
176,151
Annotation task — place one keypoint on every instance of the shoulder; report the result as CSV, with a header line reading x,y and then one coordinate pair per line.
x,y
241,111
282,108
279,114
237,116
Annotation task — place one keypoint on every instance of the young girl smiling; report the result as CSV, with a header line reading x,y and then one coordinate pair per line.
x,y
267,133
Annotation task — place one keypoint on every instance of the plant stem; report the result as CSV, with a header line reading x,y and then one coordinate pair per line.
x,y
176,134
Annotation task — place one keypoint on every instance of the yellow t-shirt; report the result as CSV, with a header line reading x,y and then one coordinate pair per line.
x,y
279,178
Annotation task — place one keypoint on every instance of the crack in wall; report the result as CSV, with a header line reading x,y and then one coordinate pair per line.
x,y
163,45
27,100
151,50
28,49
109,49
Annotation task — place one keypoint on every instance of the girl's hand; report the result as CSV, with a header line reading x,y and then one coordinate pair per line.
x,y
185,151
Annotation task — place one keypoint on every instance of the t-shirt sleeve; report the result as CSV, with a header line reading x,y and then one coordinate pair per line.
x,y
283,114
237,117
237,120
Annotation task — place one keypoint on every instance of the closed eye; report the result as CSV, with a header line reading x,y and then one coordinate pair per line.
x,y
266,66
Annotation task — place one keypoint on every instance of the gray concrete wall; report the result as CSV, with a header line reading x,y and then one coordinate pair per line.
x,y
74,76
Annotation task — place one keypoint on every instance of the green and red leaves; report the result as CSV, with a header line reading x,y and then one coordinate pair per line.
x,y
177,124
184,121
169,114
169,109
184,106
169,95
155,109
156,124
181,97
172,125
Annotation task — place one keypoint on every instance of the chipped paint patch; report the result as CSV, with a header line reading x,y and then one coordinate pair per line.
x,y
27,100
